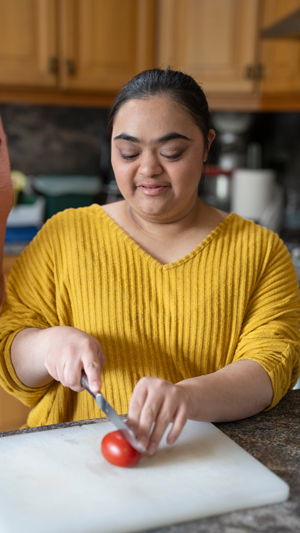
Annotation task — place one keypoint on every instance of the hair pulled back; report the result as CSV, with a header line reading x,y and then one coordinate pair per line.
x,y
174,84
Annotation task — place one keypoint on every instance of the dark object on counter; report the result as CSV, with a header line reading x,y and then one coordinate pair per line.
x,y
64,192
25,234
216,187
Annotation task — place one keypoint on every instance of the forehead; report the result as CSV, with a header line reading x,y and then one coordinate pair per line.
x,y
157,114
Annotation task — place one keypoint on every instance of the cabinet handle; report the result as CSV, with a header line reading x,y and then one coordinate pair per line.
x,y
249,72
53,65
260,71
254,72
71,68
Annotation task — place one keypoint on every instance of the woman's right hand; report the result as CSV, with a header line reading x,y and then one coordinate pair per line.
x,y
60,353
69,351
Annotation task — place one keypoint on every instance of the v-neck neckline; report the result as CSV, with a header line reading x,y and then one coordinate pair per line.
x,y
152,260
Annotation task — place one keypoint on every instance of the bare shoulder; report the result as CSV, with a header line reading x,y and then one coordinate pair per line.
x,y
211,217
119,213
115,210
218,215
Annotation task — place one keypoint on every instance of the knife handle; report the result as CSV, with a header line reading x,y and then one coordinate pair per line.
x,y
85,383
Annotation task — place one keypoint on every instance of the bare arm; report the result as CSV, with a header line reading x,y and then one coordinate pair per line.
x,y
237,391
27,359
60,353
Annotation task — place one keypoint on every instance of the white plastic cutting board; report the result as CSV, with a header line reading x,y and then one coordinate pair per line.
x,y
57,481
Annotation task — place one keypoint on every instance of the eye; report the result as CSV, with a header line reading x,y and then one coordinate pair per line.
x,y
128,157
173,157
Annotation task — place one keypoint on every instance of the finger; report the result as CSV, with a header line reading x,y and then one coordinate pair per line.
x,y
69,374
136,404
162,421
148,416
178,424
92,369
64,369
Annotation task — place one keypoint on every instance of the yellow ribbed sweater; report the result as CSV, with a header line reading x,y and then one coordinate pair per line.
x,y
235,296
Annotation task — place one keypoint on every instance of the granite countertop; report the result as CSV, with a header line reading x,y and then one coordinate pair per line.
x,y
272,437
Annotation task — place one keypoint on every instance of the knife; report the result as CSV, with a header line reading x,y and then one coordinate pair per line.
x,y
113,415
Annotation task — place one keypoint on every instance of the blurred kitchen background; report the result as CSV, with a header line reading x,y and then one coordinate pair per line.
x,y
62,63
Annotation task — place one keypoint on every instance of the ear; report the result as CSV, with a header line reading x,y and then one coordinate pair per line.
x,y
210,138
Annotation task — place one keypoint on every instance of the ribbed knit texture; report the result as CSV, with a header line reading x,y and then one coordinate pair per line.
x,y
235,296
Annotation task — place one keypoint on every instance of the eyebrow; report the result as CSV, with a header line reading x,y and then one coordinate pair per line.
x,y
164,138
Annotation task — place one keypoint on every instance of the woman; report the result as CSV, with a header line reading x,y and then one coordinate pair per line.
x,y
6,199
174,309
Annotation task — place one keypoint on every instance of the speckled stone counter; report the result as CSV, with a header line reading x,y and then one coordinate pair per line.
x,y
272,437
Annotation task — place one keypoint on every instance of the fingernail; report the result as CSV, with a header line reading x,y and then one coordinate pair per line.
x,y
95,386
152,448
143,440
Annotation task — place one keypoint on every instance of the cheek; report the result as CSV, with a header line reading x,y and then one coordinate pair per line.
x,y
119,168
123,174
115,162
187,174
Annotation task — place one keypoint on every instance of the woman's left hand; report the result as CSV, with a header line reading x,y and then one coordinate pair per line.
x,y
159,402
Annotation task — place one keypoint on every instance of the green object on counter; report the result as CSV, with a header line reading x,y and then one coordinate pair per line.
x,y
27,199
63,192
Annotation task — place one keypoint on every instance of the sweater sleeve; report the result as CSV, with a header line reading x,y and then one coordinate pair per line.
x,y
29,303
270,331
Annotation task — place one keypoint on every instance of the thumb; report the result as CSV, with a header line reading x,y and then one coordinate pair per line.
x,y
91,370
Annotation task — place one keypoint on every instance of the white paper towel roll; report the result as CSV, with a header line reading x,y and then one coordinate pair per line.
x,y
252,190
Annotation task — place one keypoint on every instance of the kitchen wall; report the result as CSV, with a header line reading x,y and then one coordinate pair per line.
x,y
54,140
46,140
49,140
73,140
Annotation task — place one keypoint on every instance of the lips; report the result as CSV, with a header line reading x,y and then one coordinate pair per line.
x,y
152,189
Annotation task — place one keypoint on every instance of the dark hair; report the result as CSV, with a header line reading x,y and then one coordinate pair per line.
x,y
176,85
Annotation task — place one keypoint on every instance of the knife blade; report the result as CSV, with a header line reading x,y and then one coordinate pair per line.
x,y
113,416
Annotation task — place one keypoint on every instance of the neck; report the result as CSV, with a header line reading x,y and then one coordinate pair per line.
x,y
167,227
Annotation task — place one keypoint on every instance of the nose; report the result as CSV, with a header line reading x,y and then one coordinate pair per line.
x,y
150,165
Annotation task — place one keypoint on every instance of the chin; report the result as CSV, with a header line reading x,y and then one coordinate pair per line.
x,y
153,208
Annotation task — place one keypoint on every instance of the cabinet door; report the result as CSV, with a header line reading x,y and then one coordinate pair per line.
x,y
28,42
280,57
105,43
13,414
213,40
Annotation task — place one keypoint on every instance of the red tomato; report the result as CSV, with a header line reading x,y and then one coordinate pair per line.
x,y
117,450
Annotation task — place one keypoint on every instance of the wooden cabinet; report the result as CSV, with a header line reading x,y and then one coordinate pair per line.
x,y
219,43
280,58
105,43
81,52
213,40
13,414
90,45
28,42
